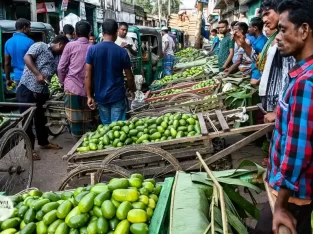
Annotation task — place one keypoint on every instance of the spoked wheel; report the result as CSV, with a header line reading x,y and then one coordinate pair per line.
x,y
152,162
16,162
85,175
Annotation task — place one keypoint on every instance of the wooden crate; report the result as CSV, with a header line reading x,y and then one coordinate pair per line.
x,y
198,105
205,91
161,216
183,149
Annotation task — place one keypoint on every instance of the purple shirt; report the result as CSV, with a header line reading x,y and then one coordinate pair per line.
x,y
71,69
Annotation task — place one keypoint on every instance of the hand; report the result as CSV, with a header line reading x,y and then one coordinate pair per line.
x,y
132,96
283,217
91,103
226,73
239,38
269,117
41,78
9,82
224,67
124,45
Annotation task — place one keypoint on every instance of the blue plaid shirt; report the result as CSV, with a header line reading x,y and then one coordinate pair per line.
x,y
291,151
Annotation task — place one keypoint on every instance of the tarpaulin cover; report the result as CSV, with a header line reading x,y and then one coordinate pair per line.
x,y
190,206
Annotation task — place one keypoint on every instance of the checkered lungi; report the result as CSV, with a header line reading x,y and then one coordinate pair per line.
x,y
80,116
168,63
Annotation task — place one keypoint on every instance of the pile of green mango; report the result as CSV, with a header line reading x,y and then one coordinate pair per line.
x,y
191,72
120,207
203,84
141,131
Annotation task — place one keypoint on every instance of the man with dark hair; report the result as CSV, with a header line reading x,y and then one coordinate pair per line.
x,y
71,73
69,31
104,81
270,63
256,30
168,52
173,37
226,51
92,38
41,62
291,153
243,61
15,49
124,41
215,42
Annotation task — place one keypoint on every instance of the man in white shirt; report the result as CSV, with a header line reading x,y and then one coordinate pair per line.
x,y
168,53
124,41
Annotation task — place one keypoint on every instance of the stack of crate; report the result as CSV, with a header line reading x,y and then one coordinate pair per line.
x,y
188,26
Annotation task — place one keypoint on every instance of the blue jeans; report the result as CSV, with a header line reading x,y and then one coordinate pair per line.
x,y
112,112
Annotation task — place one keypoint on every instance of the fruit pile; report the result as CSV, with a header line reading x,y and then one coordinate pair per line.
x,y
191,72
186,52
137,131
11,86
55,86
203,84
120,207
168,92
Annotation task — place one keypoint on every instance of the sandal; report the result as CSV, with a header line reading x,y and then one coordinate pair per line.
x,y
36,157
51,146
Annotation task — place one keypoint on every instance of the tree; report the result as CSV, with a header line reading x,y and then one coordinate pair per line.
x,y
145,4
165,7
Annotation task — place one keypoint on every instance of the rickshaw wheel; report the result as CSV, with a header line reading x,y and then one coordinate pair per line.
x,y
150,161
84,175
16,162
55,131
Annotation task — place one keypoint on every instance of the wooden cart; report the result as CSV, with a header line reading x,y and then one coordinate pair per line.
x,y
16,162
161,158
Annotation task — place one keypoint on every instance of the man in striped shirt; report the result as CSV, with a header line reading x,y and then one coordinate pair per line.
x,y
290,169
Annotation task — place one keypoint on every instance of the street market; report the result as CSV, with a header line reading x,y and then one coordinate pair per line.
x,y
152,130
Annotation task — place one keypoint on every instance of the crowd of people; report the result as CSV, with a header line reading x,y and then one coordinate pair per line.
x,y
92,75
276,52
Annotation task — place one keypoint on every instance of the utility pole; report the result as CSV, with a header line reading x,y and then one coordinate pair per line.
x,y
169,7
159,9
199,25
33,10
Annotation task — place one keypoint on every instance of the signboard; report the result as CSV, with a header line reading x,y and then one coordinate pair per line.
x,y
46,7
64,5
82,10
99,15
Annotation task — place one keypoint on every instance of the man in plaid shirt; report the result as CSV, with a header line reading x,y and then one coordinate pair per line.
x,y
290,169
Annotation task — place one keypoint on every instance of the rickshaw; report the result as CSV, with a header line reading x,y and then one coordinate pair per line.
x,y
149,58
39,32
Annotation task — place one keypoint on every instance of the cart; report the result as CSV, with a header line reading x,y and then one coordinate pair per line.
x,y
56,117
16,162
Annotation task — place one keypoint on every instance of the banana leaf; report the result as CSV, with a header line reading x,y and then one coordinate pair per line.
x,y
241,202
236,223
231,181
190,64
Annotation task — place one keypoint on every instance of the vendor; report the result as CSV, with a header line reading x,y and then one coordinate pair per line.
x,y
289,171
15,49
168,53
124,41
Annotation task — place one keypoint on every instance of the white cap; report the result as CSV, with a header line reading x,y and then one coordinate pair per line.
x,y
164,28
